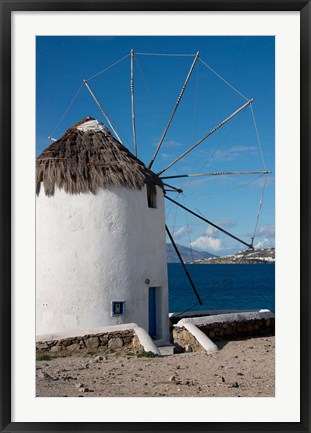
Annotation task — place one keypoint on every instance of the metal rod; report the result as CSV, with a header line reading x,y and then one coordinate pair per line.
x,y
207,135
174,109
216,173
184,266
132,103
209,222
102,110
173,187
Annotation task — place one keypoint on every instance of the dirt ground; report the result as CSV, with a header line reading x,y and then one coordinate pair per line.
x,y
244,368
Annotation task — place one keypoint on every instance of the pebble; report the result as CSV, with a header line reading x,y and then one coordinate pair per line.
x,y
44,375
98,358
84,390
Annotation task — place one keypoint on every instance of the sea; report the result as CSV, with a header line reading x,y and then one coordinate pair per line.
x,y
222,287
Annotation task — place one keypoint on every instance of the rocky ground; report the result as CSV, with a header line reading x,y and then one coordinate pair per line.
x,y
243,368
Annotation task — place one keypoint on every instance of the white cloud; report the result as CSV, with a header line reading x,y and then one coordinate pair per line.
x,y
168,143
179,233
209,240
265,243
165,155
266,230
226,223
206,242
234,152
171,143
210,231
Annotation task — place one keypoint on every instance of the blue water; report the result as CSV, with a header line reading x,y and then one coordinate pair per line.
x,y
223,287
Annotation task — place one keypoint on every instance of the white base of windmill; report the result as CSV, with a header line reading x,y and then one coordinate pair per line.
x,y
101,261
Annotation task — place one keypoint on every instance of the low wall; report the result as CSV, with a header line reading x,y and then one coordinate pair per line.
x,y
90,342
184,341
224,327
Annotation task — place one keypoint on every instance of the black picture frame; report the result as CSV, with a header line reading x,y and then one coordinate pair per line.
x,y
7,7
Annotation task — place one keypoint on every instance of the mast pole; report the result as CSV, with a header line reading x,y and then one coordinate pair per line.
x,y
209,222
207,135
101,109
132,103
184,266
216,173
173,188
174,109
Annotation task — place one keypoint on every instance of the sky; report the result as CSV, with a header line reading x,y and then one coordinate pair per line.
x,y
235,69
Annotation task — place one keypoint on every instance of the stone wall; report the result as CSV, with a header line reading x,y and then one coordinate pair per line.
x,y
124,339
184,341
217,331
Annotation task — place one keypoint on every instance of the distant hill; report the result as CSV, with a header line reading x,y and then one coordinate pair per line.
x,y
188,254
260,256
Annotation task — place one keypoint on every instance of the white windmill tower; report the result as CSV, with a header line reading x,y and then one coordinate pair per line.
x,y
101,257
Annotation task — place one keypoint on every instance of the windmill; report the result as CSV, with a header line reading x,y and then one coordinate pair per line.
x,y
100,224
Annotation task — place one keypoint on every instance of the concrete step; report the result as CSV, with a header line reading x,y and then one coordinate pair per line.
x,y
166,350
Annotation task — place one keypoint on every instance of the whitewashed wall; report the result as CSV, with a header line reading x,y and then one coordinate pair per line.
x,y
93,249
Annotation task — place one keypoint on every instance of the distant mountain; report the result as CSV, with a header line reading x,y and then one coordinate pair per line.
x,y
260,256
188,254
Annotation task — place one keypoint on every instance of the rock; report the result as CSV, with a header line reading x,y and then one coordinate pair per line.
x,y
65,343
211,334
103,340
84,390
44,375
73,347
228,331
115,343
127,340
136,342
172,378
41,346
185,335
234,385
92,343
55,349
98,358
79,385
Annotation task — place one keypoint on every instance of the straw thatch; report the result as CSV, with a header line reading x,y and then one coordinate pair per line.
x,y
82,162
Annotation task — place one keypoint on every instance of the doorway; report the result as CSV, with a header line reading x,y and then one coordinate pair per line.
x,y
154,312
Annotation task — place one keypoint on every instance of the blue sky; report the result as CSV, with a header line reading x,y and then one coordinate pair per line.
x,y
247,63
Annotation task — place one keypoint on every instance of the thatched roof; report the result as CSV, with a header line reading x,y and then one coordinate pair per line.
x,y
83,160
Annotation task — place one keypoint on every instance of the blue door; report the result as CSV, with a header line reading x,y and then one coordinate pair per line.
x,y
152,312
